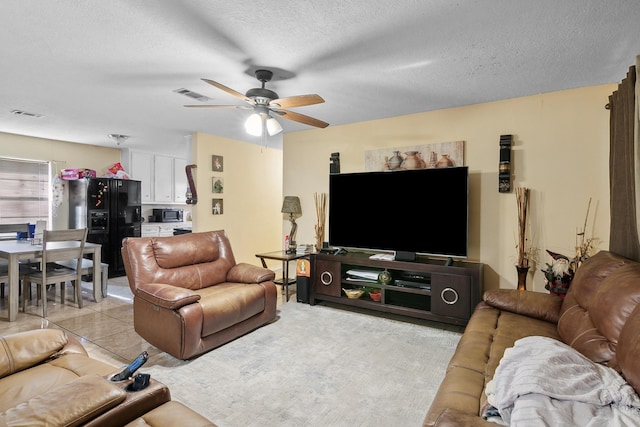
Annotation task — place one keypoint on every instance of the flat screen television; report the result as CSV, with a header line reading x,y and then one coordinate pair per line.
x,y
418,211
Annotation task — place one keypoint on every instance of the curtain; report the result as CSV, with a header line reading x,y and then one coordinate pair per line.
x,y
623,175
24,191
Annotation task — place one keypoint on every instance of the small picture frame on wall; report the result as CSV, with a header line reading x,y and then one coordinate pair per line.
x,y
218,184
217,207
217,163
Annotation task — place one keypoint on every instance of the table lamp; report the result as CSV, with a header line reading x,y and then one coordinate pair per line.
x,y
291,205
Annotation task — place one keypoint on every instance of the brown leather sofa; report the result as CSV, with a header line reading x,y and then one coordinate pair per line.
x,y
47,378
599,317
190,296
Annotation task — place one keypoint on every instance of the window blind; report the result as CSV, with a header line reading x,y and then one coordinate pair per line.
x,y
24,191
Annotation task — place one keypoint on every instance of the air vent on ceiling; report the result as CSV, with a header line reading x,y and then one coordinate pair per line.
x,y
25,113
191,94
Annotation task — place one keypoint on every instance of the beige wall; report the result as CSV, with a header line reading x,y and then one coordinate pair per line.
x,y
252,194
64,155
560,152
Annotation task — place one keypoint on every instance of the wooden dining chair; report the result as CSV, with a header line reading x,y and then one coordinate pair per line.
x,y
50,273
5,229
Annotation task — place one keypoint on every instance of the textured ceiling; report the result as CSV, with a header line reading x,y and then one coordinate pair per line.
x,y
96,67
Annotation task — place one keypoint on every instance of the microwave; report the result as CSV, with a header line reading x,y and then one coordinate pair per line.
x,y
167,215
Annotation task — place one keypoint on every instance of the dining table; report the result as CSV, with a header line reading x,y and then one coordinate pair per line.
x,y
16,250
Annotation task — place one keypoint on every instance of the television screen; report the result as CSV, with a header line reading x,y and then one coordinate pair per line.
x,y
417,211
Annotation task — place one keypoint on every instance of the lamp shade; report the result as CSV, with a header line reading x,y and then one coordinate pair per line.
x,y
291,205
273,126
253,125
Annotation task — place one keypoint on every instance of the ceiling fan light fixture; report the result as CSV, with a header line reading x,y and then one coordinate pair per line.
x,y
253,125
273,126
118,137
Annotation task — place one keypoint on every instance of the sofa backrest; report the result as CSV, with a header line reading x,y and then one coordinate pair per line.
x,y
192,261
23,350
628,350
602,296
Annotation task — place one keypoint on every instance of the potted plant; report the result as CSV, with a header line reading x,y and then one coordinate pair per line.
x,y
559,273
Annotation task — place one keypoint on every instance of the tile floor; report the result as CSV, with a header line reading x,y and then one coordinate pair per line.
x,y
105,328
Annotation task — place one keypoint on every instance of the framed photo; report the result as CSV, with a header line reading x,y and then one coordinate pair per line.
x,y
217,164
217,206
218,184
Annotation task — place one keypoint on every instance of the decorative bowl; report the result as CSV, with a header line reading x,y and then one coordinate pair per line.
x,y
375,295
353,293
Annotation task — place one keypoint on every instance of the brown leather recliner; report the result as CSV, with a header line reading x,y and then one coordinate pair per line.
x,y
190,296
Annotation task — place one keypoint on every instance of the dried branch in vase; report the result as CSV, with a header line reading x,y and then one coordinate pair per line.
x,y
522,198
584,244
321,214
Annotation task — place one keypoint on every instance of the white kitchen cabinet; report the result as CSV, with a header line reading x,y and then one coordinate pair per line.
x,y
163,179
141,169
180,184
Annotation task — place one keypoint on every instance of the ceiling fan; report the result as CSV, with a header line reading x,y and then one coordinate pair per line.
x,y
264,101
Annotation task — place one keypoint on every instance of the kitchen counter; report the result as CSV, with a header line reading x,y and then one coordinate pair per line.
x,y
161,229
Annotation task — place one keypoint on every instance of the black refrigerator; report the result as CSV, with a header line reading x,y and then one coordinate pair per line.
x,y
110,209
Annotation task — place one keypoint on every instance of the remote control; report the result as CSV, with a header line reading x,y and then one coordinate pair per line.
x,y
133,366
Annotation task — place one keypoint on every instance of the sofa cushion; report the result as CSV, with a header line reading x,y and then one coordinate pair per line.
x,y
587,321
70,404
29,383
614,301
192,261
533,304
171,414
228,304
26,349
628,350
489,332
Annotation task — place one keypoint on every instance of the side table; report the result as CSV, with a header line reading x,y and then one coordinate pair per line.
x,y
285,258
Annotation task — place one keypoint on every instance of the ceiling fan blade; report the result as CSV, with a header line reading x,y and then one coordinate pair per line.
x,y
297,101
216,106
230,91
301,118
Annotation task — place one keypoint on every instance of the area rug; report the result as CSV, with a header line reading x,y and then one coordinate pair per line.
x,y
315,366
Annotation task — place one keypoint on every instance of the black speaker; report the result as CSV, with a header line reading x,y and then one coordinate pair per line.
x,y
302,289
334,163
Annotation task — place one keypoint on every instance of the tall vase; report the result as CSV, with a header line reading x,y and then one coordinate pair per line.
x,y
522,277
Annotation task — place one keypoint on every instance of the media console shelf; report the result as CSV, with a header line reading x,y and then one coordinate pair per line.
x,y
425,289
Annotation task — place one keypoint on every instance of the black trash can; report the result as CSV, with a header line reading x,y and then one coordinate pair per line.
x,y
302,289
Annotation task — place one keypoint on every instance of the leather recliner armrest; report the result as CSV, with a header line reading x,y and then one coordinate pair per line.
x,y
533,304
166,296
71,404
453,418
248,273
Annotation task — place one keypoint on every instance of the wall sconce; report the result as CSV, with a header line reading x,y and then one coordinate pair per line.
x,y
504,168
291,205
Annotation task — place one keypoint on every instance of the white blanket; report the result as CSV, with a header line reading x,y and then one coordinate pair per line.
x,y
544,382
